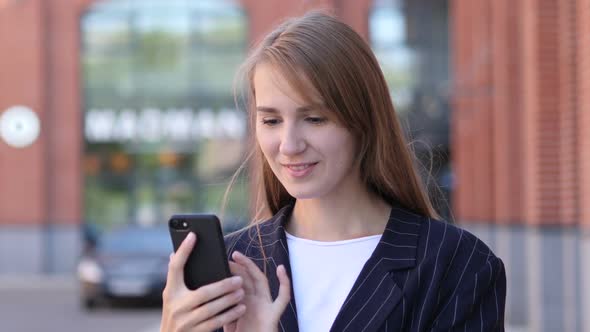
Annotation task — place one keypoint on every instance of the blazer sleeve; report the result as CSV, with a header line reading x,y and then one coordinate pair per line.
x,y
478,304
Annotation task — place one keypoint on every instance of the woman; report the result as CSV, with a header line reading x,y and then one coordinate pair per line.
x,y
352,244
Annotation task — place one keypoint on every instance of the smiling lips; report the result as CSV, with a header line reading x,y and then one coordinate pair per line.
x,y
299,170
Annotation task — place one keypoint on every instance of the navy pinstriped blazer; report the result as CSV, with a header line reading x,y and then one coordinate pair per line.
x,y
424,275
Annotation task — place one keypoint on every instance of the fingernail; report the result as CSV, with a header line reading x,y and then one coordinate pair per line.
x,y
237,253
236,280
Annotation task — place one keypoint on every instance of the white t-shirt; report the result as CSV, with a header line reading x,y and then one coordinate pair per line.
x,y
323,274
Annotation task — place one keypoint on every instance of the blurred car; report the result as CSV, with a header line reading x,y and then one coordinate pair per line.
x,y
128,263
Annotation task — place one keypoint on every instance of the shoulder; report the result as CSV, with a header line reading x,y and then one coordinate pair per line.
x,y
452,270
437,239
468,279
437,234
455,256
449,251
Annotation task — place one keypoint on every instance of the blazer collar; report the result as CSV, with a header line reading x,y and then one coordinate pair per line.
x,y
375,288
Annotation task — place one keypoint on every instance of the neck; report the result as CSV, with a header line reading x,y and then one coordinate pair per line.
x,y
346,215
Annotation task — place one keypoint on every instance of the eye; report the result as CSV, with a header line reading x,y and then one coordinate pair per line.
x,y
270,121
315,120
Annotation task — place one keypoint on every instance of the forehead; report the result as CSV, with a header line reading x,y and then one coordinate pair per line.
x,y
273,88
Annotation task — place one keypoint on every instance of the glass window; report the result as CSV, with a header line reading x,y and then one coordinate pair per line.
x,y
162,135
387,26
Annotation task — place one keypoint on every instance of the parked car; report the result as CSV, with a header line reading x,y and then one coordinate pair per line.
x,y
130,262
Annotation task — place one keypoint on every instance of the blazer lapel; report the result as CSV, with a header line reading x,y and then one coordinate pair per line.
x,y
275,245
376,293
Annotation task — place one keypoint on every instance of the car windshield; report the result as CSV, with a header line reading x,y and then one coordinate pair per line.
x,y
136,240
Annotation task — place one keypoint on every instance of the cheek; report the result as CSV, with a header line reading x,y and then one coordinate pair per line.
x,y
266,142
341,146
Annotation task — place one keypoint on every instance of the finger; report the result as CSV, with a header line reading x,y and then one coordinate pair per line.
x,y
178,260
231,327
284,296
237,269
223,319
260,281
212,291
213,308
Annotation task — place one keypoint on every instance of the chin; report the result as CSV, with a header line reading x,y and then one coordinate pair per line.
x,y
304,193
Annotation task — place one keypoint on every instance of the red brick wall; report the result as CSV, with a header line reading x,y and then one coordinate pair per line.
x,y
460,132
568,111
22,78
65,183
472,133
582,11
42,183
503,49
519,137
528,113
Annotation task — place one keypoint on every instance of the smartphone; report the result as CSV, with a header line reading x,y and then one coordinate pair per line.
x,y
207,262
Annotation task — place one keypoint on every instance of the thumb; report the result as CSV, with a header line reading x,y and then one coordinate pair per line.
x,y
284,296
178,260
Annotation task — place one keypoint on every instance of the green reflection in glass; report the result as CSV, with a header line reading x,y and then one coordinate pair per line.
x,y
162,56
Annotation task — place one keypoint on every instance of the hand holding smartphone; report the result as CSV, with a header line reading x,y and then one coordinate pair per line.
x,y
199,293
208,262
222,300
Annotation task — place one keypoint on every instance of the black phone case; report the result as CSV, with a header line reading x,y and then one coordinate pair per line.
x,y
207,262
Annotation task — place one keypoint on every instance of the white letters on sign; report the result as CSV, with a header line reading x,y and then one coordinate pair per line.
x,y
155,125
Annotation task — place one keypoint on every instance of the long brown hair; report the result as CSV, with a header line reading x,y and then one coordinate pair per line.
x,y
320,50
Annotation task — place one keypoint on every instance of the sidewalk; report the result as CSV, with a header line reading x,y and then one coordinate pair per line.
x,y
36,282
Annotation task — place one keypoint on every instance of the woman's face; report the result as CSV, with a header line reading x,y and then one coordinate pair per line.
x,y
308,151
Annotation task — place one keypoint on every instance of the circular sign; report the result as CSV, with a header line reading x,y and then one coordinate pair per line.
x,y
19,126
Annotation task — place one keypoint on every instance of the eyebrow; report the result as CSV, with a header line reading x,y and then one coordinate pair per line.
x,y
301,109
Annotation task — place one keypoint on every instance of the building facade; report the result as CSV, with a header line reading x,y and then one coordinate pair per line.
x,y
133,103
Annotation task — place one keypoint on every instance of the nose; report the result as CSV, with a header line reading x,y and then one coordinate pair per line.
x,y
292,141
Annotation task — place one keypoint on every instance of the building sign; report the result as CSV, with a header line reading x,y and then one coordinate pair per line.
x,y
152,125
